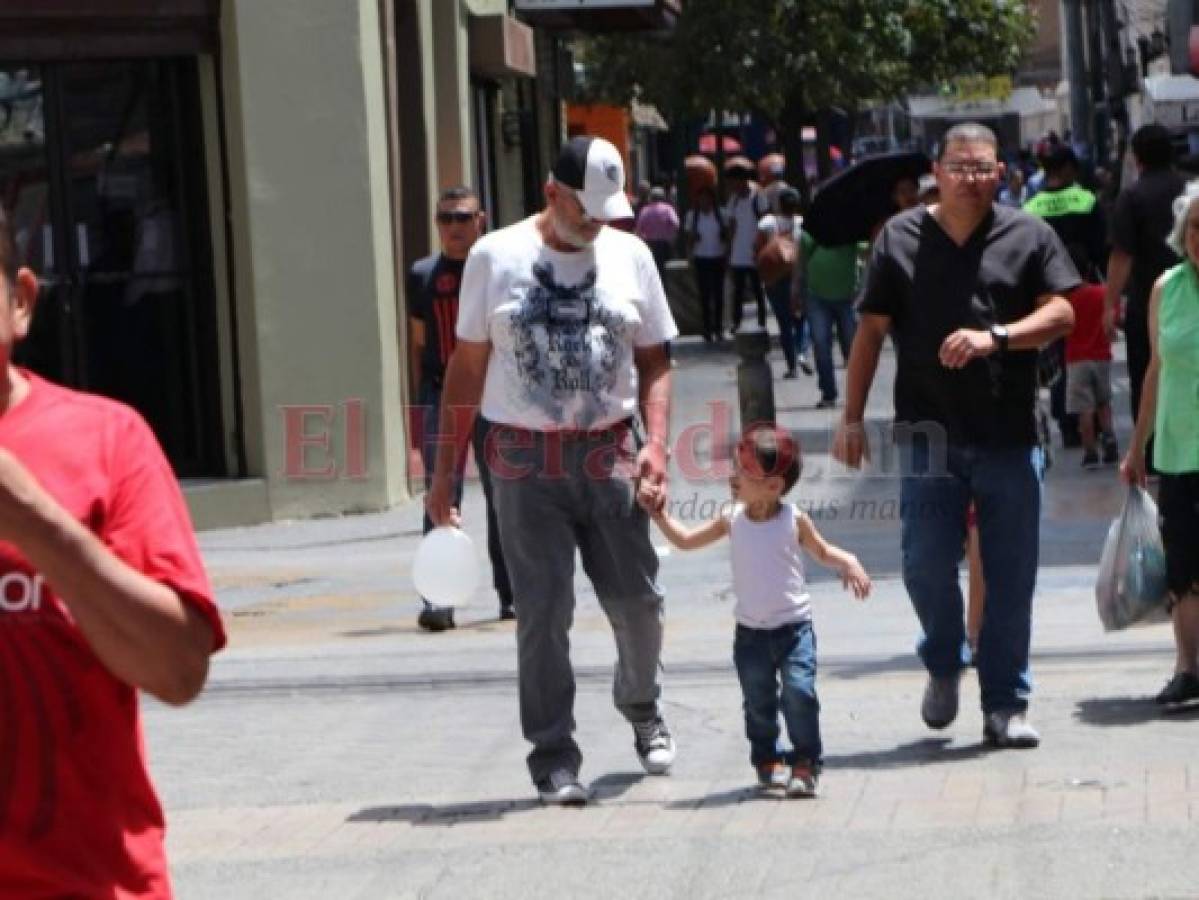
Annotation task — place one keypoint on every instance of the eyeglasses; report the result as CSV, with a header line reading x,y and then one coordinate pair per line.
x,y
973,171
457,217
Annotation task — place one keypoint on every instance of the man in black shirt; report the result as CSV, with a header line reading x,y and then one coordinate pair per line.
x,y
971,290
1142,220
432,292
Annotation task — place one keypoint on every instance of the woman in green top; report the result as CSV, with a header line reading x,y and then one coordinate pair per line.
x,y
1170,408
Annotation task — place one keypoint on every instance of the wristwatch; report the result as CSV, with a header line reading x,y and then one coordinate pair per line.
x,y
999,334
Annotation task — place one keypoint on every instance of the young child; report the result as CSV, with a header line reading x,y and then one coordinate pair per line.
x,y
1088,368
775,646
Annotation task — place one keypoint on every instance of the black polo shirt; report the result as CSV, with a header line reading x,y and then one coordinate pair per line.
x,y
1143,218
931,287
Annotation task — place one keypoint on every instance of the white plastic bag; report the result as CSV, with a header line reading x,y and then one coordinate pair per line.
x,y
1131,588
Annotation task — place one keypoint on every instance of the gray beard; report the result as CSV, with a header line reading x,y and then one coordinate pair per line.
x,y
569,236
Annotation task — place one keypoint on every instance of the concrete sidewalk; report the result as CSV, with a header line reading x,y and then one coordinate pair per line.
x,y
339,752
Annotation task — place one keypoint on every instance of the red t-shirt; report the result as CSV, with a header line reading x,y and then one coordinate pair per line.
x,y
1088,340
78,814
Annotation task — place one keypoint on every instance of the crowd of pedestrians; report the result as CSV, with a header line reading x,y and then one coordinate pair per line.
x,y
545,347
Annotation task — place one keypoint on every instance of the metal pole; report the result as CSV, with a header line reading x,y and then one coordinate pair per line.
x,y
755,381
1098,78
1076,68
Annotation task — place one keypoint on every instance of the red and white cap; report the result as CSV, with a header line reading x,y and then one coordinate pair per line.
x,y
593,169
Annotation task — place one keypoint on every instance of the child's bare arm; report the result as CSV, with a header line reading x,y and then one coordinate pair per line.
x,y
853,576
690,538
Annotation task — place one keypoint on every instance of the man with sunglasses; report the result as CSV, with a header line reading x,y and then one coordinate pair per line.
x,y
562,335
971,290
433,284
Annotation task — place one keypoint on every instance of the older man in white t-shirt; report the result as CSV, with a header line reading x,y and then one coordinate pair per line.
x,y
562,333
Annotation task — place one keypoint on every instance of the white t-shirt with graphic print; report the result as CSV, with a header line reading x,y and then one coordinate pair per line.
x,y
562,326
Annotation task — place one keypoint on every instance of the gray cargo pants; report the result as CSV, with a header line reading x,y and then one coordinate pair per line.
x,y
555,493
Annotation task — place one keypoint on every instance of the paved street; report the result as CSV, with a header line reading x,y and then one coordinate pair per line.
x,y
341,753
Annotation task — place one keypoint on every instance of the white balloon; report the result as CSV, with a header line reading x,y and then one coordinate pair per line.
x,y
446,569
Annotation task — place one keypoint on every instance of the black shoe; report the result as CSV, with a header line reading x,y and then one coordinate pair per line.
x,y
655,745
1090,460
436,618
827,403
562,788
1182,688
1111,451
507,613
805,365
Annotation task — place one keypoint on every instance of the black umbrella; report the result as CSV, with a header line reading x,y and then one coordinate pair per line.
x,y
851,203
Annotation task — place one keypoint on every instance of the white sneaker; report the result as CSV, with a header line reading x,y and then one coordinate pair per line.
x,y
655,745
940,705
1009,729
562,787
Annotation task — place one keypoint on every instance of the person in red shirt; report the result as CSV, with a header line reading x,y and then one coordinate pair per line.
x,y
102,594
1088,368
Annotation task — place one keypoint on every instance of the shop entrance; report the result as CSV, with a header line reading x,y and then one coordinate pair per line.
x,y
102,178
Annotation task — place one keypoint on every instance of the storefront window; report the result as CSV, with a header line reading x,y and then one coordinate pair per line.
x,y
102,175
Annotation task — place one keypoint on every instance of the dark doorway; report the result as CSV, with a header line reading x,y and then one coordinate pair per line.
x,y
102,173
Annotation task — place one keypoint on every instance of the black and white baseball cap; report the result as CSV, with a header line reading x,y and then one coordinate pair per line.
x,y
592,167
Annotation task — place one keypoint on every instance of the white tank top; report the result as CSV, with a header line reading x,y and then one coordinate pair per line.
x,y
768,570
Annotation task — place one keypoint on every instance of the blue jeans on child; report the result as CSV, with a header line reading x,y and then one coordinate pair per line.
x,y
1005,486
777,669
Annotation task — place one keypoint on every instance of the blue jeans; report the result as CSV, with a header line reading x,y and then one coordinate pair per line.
x,y
779,295
777,669
1005,486
824,315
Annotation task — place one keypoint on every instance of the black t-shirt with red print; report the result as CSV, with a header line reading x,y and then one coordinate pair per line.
x,y
433,284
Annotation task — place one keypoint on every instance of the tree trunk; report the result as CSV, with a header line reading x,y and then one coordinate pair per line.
x,y
824,165
850,133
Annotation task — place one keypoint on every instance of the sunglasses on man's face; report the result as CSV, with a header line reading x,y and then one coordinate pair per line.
x,y
456,217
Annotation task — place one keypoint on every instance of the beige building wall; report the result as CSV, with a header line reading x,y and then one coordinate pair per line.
x,y
451,80
305,121
418,98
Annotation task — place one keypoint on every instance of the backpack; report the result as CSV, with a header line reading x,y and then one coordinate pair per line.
x,y
776,260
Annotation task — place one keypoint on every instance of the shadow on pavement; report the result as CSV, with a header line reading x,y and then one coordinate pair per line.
x,y
495,623
614,785
1120,711
848,671
445,816
916,753
724,798
606,787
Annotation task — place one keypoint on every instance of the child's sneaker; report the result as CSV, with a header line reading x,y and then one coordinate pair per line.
x,y
773,776
803,781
